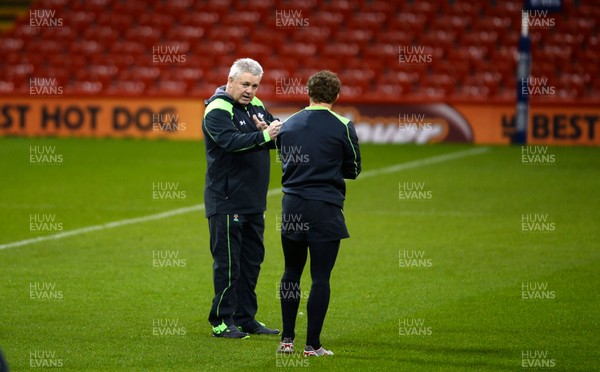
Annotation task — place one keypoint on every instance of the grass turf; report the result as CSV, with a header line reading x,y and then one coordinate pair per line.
x,y
468,301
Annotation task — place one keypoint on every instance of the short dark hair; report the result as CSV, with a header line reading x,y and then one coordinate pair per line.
x,y
324,87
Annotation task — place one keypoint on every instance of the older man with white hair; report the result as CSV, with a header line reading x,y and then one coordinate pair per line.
x,y
238,133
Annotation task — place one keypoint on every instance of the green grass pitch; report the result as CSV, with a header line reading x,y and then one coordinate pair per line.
x,y
469,261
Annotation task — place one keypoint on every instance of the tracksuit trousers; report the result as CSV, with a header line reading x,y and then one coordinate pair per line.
x,y
236,244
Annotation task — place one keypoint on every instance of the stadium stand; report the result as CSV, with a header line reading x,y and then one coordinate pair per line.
x,y
105,47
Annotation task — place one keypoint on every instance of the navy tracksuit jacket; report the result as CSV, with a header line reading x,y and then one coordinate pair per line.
x,y
310,143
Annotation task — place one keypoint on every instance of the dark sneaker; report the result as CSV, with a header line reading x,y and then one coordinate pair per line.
x,y
310,351
286,346
260,330
228,332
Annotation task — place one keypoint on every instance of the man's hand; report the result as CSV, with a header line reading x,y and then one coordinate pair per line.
x,y
261,125
272,129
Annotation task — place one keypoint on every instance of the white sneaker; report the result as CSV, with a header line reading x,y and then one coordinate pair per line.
x,y
309,351
286,346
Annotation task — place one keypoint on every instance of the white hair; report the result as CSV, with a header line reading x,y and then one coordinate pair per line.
x,y
245,65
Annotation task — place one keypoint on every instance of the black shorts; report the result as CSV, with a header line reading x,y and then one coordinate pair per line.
x,y
311,220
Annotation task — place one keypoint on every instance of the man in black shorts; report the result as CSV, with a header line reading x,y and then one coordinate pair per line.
x,y
318,150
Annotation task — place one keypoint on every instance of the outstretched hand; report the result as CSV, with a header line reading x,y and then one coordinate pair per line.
x,y
260,124
272,129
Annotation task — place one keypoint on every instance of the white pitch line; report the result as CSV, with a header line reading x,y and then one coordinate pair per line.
x,y
421,162
200,207
108,225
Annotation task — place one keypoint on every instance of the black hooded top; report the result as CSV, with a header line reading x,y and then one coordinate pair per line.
x,y
237,153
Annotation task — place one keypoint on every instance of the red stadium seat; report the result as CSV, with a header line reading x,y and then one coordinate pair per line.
x,y
472,44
